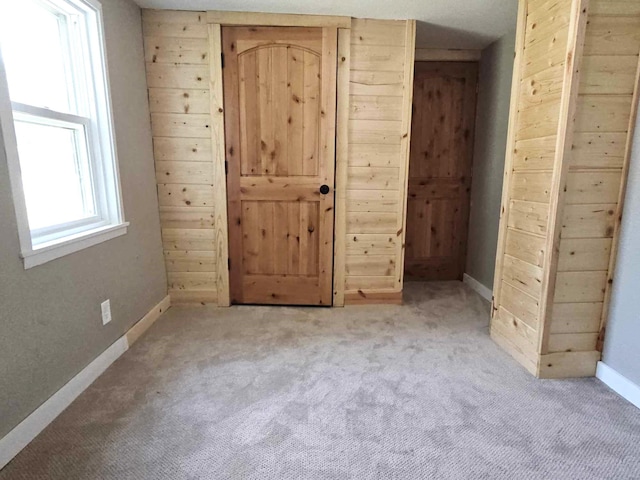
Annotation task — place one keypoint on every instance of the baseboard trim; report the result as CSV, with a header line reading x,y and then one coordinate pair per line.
x,y
30,427
479,288
145,322
372,298
618,383
18,438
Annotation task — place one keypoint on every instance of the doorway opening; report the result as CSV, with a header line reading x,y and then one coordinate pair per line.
x,y
440,167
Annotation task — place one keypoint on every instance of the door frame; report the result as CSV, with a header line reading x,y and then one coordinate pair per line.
x,y
216,20
447,55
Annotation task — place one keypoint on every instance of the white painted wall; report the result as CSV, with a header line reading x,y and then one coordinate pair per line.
x,y
622,340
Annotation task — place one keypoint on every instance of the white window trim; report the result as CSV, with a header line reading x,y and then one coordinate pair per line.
x,y
46,252
73,244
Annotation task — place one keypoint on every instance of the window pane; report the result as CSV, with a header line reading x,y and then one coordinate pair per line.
x,y
35,54
55,174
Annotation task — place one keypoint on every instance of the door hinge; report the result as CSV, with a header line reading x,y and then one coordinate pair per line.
x,y
222,59
226,167
229,264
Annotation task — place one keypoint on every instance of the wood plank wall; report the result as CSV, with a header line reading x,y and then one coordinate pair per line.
x,y
530,164
177,56
380,99
177,60
549,305
595,178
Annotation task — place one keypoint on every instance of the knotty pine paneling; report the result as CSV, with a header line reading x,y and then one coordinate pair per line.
x,y
177,63
595,181
378,164
177,59
566,165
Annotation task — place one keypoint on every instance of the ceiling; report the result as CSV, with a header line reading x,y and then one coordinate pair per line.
x,y
469,24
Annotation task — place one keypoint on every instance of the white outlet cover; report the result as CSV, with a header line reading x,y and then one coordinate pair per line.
x,y
105,307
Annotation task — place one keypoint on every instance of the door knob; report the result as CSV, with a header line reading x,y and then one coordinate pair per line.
x,y
324,189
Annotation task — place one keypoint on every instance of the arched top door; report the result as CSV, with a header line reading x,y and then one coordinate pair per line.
x,y
279,102
279,93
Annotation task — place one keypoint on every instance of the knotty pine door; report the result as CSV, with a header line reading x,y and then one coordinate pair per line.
x,y
279,103
444,106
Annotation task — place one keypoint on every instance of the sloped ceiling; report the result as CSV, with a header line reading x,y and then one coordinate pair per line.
x,y
470,24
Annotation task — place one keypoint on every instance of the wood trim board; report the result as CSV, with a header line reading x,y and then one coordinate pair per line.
x,y
276,19
373,298
509,154
221,235
446,55
405,146
135,332
569,98
342,163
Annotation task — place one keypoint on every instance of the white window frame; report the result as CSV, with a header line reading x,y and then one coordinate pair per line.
x,y
40,246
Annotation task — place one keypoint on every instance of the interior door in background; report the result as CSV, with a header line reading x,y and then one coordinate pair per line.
x,y
279,102
442,131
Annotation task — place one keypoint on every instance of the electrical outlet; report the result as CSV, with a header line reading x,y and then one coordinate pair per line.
x,y
105,307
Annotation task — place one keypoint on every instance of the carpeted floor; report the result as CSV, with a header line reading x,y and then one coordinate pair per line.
x,y
410,392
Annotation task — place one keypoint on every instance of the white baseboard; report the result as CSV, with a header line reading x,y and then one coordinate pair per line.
x,y
618,383
30,427
483,291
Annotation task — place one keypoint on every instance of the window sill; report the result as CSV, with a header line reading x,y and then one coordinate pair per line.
x,y
69,245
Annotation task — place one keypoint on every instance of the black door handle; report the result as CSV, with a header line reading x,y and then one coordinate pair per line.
x,y
324,189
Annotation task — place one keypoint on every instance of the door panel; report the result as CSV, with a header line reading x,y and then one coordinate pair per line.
x,y
280,238
279,90
280,94
440,169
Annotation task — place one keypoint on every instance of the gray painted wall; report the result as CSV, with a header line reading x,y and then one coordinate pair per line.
x,y
492,121
50,324
622,340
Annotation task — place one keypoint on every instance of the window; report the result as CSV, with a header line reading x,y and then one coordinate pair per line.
x,y
56,123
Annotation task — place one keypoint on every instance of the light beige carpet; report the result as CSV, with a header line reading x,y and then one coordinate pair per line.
x,y
410,392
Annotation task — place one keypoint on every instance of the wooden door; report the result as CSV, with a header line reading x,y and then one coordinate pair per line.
x,y
444,103
279,102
